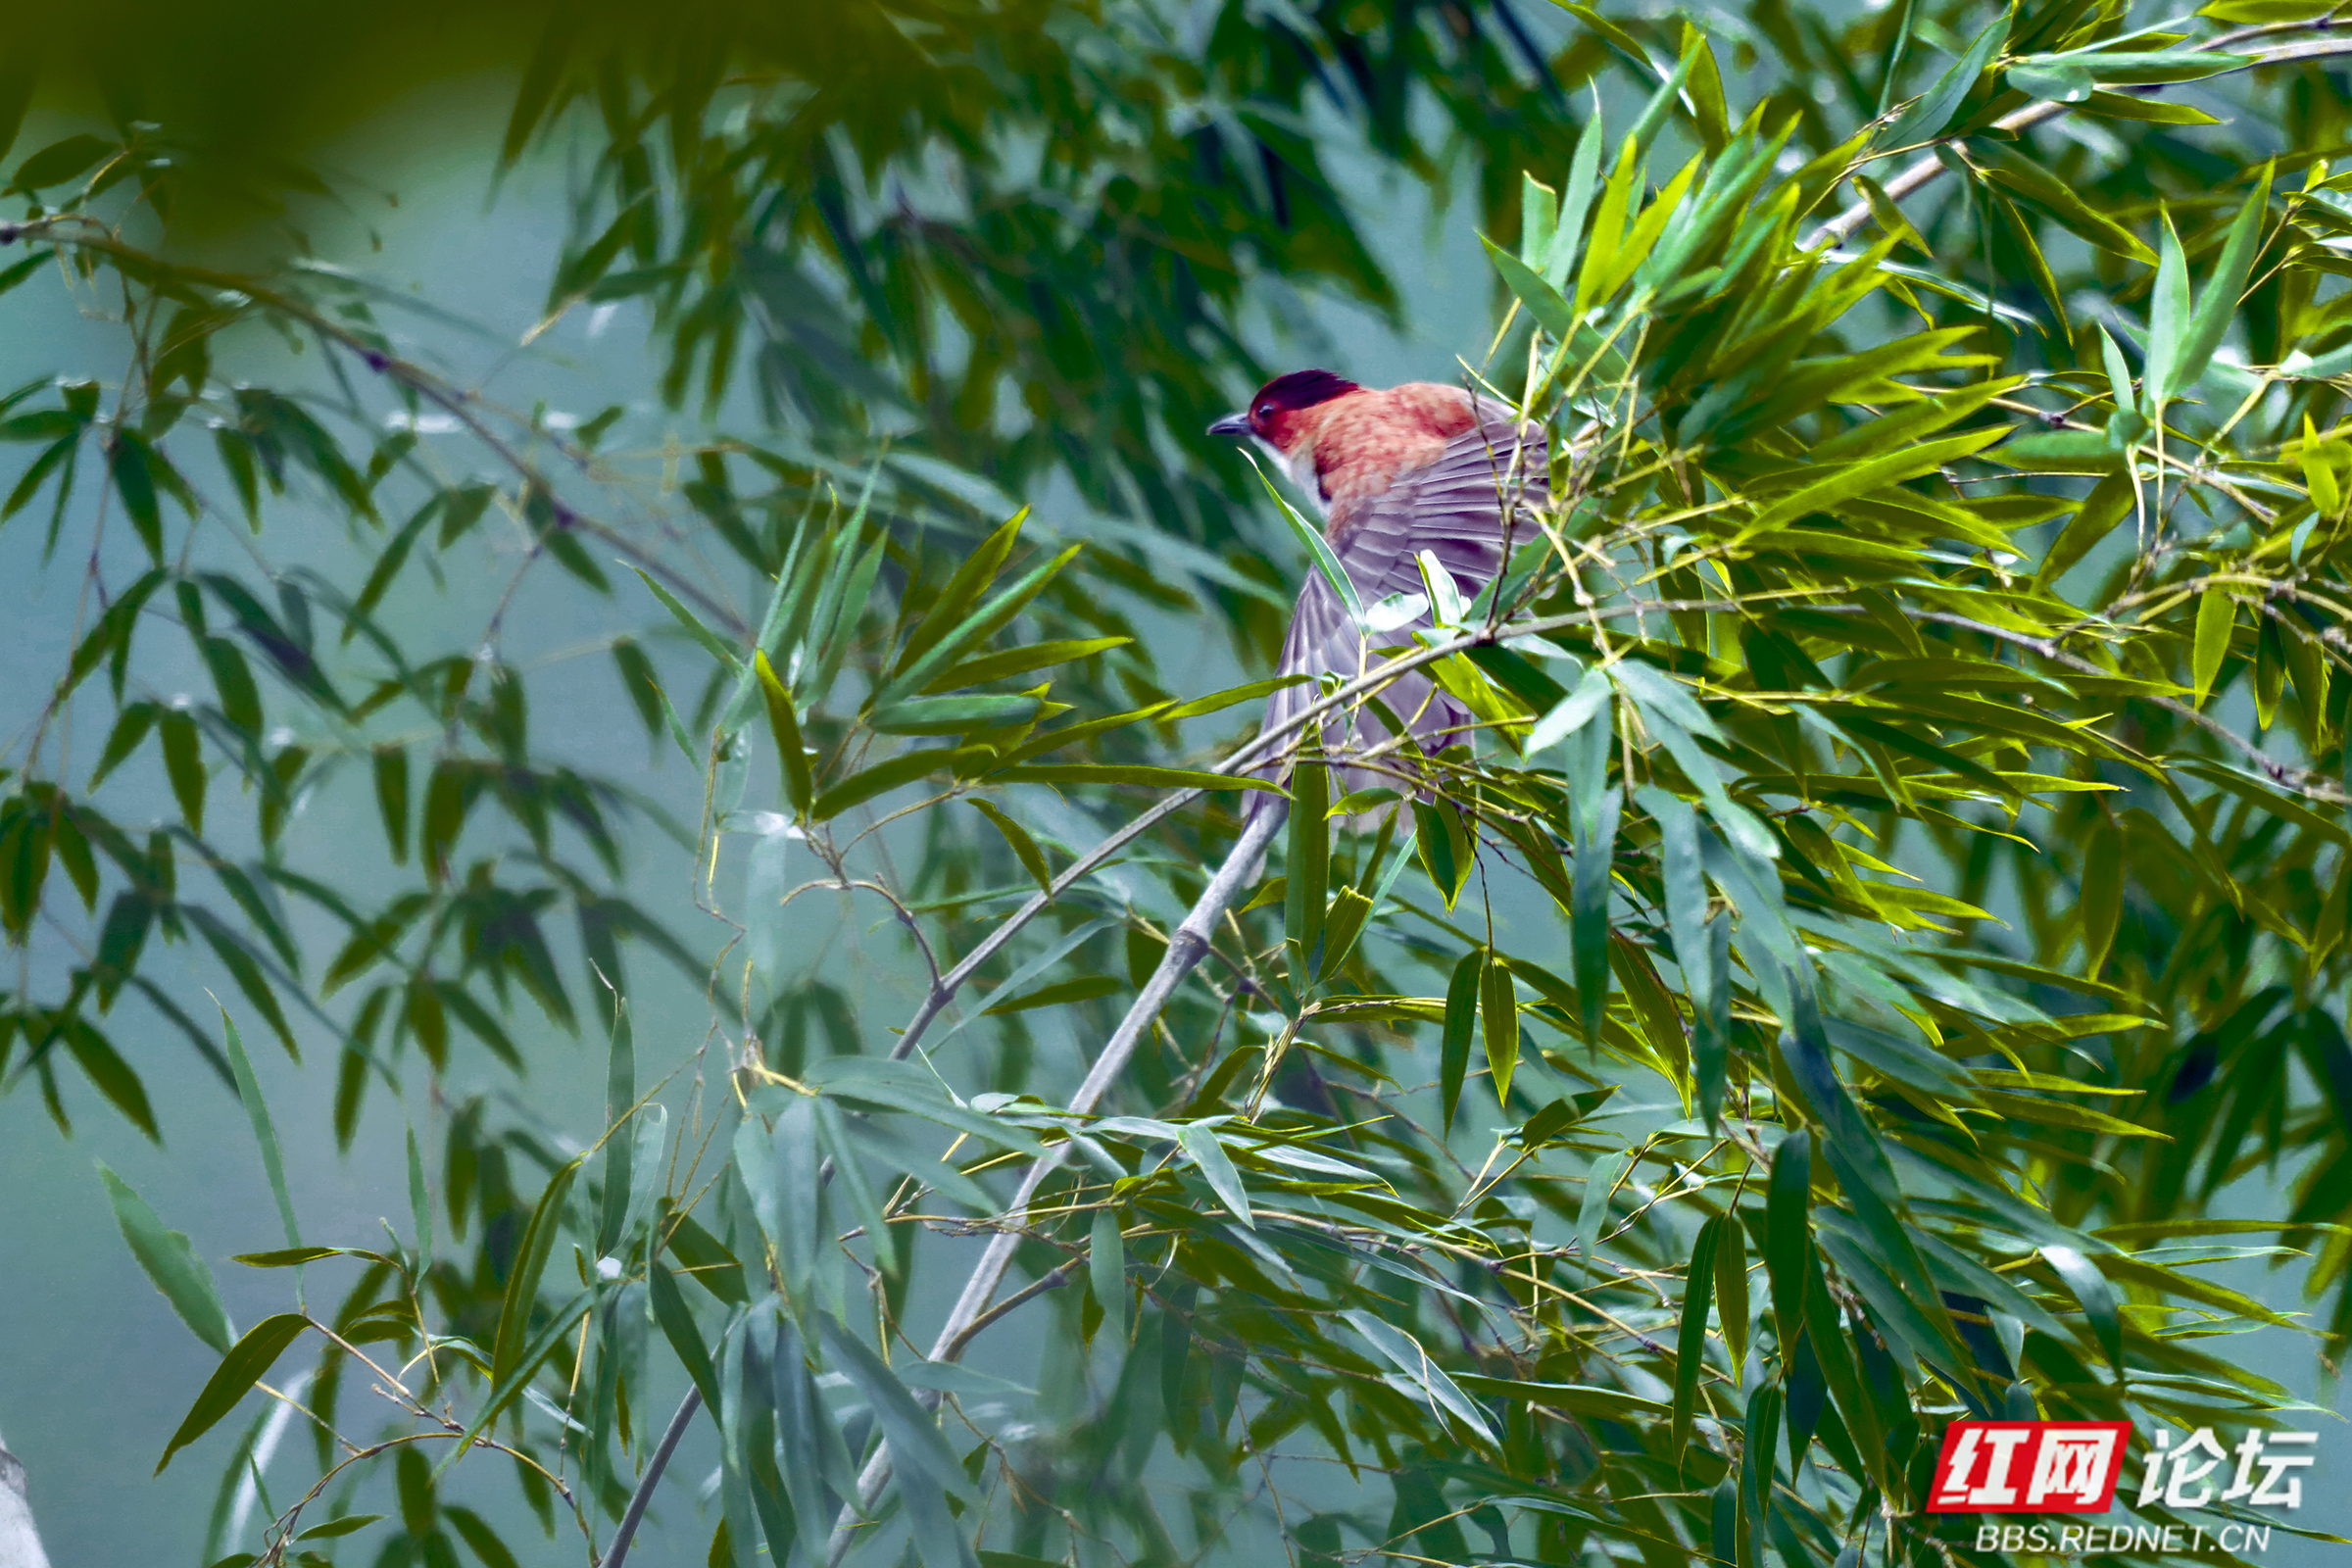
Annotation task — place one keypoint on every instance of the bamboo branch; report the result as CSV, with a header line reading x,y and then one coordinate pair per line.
x,y
1186,947
1841,227
654,1467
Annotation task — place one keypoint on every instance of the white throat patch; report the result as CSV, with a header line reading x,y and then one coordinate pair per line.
x,y
1301,469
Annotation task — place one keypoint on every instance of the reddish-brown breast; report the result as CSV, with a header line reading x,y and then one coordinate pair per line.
x,y
1362,441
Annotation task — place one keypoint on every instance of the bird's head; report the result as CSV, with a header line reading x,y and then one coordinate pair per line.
x,y
1279,417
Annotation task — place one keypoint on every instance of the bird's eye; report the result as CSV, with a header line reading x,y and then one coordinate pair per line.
x,y
1265,411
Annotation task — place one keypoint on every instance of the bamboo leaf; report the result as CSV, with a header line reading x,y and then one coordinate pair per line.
x,y
785,725
1730,1293
1200,1145
170,1263
2218,305
247,1362
1016,838
1691,1339
2217,618
1499,1010
1306,884
1461,1022
1932,112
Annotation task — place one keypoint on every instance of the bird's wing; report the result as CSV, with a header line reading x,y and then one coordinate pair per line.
x,y
1454,509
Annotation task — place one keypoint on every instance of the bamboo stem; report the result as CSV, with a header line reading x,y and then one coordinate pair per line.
x,y
1186,947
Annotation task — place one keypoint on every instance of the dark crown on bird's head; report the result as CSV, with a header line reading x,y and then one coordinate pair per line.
x,y
1300,389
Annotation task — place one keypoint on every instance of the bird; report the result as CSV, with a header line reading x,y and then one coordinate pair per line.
x,y
1394,471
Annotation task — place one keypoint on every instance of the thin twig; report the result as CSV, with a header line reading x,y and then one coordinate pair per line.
x,y
1841,227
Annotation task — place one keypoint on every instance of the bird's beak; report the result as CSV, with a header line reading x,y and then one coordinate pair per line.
x,y
1234,425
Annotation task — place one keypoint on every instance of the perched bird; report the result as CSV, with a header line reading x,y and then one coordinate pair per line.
x,y
1394,472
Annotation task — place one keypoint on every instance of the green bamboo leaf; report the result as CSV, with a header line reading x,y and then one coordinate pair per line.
x,y
479,1537
2060,200
111,1075
980,623
927,1469
2139,68
1499,1010
1078,988
1016,838
2168,322
908,1087
952,715
1308,879
2096,1294
1788,1235
133,465
1690,1340
264,1132
130,728
1200,1145
785,726
890,775
1318,548
1932,112
247,1362
978,571
1539,215
1445,848
914,1435
2110,502
1544,301
677,1321
390,766
522,1297
184,763
706,1258
1401,1349
2102,900
1890,217
62,161
1730,1291
1588,912
1593,1212
1343,923
1607,230
1106,1272
1461,1022
504,1392
2217,618
1584,174
2217,307
703,636
2270,670
2059,82
1852,481
1832,1345
170,1263
1021,661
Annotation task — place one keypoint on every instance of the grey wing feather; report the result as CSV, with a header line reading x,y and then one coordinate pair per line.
x,y
1454,510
